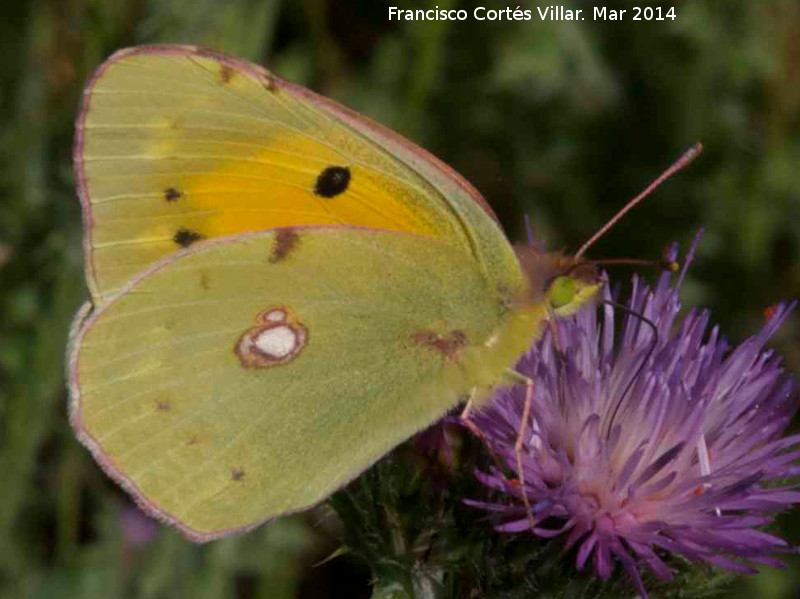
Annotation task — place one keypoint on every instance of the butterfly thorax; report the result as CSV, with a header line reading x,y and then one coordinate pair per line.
x,y
557,286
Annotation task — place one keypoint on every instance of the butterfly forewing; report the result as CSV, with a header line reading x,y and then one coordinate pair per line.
x,y
175,145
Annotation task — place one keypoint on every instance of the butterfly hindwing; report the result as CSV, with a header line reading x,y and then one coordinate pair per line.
x,y
253,375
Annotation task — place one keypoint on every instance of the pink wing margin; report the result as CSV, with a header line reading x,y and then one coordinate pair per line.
x,y
422,161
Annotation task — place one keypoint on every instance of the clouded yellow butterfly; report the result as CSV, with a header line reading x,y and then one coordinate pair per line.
x,y
281,290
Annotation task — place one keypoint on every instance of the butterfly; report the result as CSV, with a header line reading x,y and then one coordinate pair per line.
x,y
281,289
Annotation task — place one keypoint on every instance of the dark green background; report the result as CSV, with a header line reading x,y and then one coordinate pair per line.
x,y
564,121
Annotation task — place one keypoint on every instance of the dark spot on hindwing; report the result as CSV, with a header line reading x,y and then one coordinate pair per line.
x,y
286,240
162,405
332,181
270,83
237,474
226,73
449,345
186,237
171,194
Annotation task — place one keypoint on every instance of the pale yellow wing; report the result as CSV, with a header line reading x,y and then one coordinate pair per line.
x,y
226,387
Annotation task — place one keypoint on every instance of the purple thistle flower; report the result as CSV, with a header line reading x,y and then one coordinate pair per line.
x,y
683,455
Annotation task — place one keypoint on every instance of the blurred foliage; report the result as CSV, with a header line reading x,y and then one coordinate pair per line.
x,y
560,120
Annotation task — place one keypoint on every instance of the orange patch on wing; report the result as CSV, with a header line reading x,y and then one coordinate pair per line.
x,y
293,181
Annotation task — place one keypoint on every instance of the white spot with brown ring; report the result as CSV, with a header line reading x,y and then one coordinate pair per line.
x,y
277,339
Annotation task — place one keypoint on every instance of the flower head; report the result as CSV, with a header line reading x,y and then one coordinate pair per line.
x,y
646,443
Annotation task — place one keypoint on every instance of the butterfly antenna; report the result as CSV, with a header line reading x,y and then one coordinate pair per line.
x,y
666,265
680,163
650,351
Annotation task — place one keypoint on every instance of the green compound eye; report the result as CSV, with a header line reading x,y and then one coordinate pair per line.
x,y
561,292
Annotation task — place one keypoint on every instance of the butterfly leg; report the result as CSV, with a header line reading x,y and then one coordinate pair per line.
x,y
467,421
475,430
520,444
470,405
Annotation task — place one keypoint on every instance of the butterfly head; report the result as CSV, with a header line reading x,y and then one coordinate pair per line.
x,y
562,283
565,283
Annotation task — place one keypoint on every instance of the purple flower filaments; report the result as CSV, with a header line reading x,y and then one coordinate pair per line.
x,y
683,455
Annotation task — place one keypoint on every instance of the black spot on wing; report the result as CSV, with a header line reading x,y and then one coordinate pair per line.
x,y
332,181
237,474
186,237
172,194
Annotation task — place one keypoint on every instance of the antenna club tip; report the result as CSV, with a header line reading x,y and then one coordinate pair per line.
x,y
684,160
690,154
